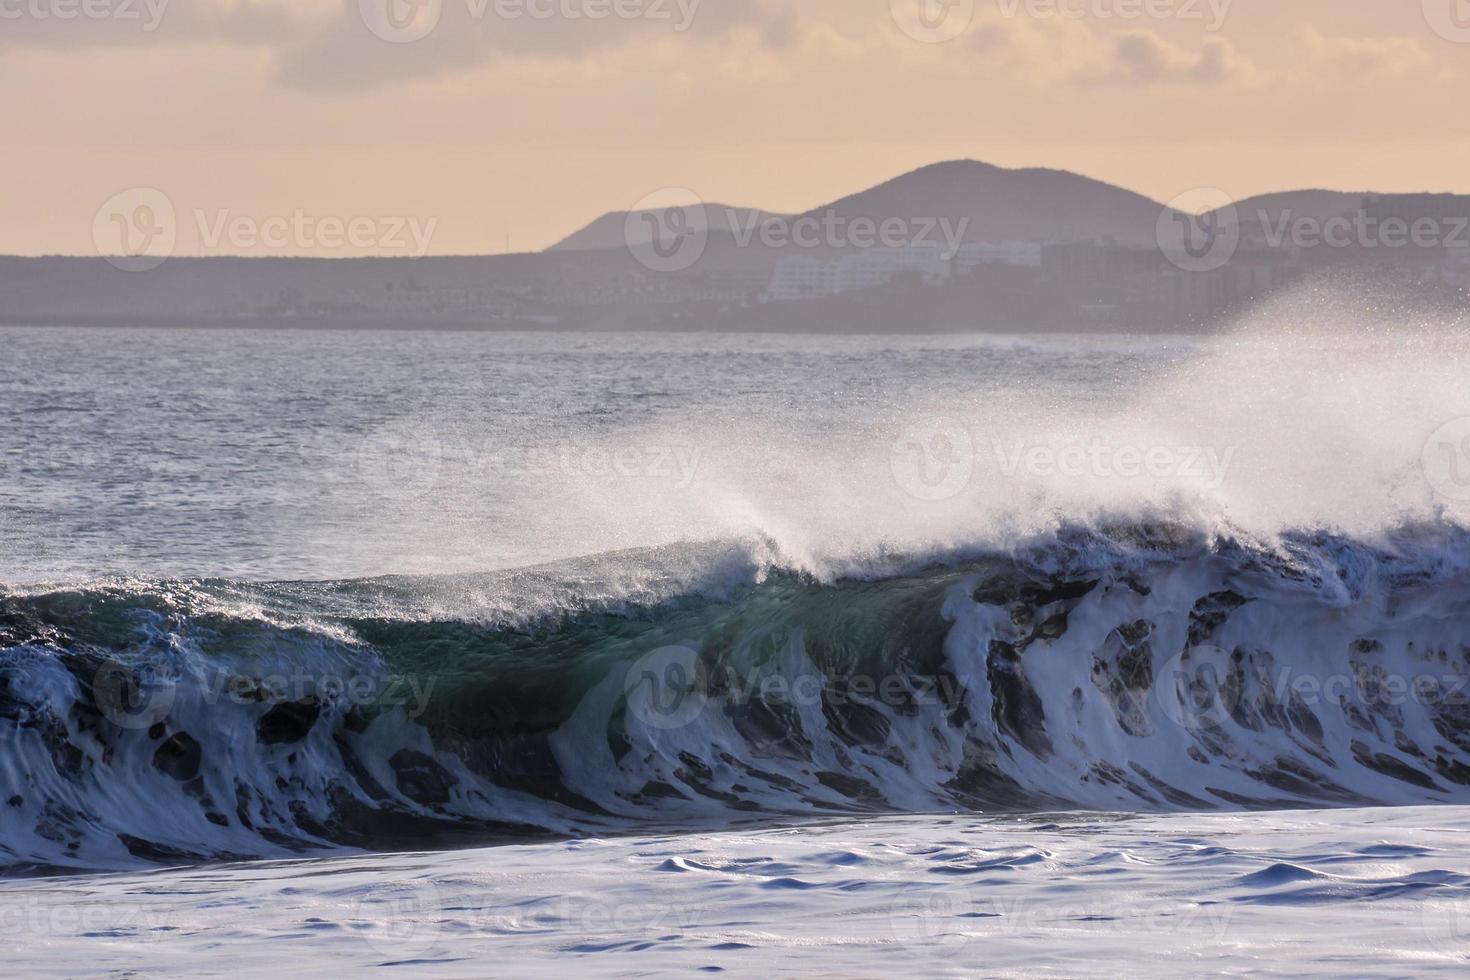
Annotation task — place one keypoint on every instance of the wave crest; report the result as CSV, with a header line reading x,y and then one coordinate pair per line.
x,y
1140,667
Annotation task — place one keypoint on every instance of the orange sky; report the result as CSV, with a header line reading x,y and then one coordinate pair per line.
x,y
513,117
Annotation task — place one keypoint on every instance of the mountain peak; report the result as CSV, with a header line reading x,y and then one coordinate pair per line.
x,y
999,204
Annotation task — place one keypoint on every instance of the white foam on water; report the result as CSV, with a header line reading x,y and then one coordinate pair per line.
x,y
1371,893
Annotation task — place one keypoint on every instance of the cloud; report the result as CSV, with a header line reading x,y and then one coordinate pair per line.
x,y
325,46
1351,60
1057,52
350,44
131,23
1143,58
360,48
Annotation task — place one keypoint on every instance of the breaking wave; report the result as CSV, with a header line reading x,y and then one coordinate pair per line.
x,y
1131,667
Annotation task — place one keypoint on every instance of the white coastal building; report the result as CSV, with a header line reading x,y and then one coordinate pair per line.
x,y
805,277
800,277
972,255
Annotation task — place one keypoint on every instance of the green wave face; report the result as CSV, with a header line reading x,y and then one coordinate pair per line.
x,y
181,721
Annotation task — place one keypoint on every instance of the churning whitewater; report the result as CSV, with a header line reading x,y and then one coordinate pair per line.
x,y
1135,667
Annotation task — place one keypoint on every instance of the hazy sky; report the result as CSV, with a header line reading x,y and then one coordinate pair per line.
x,y
531,117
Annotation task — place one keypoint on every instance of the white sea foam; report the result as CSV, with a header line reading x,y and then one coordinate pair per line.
x,y
1366,892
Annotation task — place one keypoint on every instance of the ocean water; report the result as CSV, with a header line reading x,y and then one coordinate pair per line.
x,y
1324,893
324,454
1012,654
